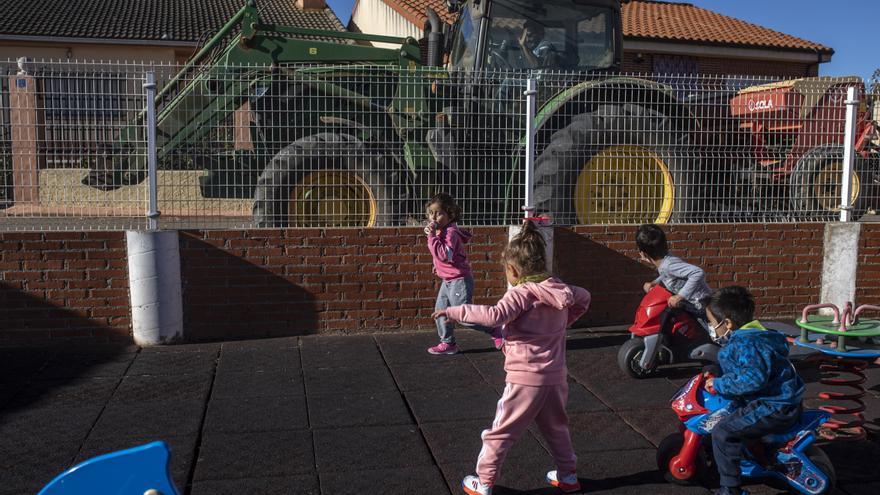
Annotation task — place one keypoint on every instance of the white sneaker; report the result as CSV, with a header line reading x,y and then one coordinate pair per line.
x,y
472,486
568,483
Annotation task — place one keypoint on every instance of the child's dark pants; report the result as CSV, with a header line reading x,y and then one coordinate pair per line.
x,y
748,423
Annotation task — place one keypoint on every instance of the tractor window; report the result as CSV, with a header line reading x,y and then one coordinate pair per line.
x,y
465,42
555,34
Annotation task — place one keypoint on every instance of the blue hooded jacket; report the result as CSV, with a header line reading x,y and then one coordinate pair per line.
x,y
755,367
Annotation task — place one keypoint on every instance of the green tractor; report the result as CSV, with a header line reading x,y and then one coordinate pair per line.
x,y
347,134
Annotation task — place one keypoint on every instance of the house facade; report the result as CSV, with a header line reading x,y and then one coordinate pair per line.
x,y
658,37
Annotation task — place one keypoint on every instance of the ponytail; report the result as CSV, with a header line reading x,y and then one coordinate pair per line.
x,y
527,250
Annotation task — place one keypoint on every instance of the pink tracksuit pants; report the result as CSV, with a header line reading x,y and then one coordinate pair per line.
x,y
518,407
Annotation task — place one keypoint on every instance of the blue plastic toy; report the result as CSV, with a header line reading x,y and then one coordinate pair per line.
x,y
139,470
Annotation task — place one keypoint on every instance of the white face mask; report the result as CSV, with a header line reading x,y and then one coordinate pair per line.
x,y
713,334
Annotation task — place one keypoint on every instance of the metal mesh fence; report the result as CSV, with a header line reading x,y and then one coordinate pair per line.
x,y
367,145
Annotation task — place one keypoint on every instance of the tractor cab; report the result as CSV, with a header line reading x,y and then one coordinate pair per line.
x,y
551,35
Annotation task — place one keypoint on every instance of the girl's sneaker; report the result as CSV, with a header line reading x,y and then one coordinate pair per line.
x,y
497,338
568,483
472,486
443,348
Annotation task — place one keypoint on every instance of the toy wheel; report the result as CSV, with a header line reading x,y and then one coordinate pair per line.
x,y
629,357
669,448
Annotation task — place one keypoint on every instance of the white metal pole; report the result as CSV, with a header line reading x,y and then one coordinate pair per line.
x,y
150,87
531,95
852,102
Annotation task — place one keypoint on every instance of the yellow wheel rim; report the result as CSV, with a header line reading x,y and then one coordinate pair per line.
x,y
826,188
332,199
624,184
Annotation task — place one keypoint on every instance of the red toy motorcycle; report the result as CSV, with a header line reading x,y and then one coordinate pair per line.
x,y
649,347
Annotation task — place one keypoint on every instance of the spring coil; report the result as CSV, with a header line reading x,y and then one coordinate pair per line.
x,y
848,374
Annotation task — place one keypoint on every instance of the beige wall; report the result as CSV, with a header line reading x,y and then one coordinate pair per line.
x,y
87,52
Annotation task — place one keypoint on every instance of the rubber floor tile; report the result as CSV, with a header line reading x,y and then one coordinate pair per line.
x,y
653,424
149,418
269,413
163,387
306,484
212,347
258,384
261,344
373,409
460,441
88,366
255,455
860,489
335,352
582,400
259,360
27,466
67,391
348,380
591,432
173,363
427,376
182,450
61,422
624,472
649,393
442,404
415,480
412,348
370,447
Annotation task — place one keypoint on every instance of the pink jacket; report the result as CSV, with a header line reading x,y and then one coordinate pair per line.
x,y
447,249
535,316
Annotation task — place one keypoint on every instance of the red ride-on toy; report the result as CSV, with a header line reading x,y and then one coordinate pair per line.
x,y
649,348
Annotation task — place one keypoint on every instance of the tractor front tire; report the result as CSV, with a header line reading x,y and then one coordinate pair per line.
x,y
620,163
815,185
326,180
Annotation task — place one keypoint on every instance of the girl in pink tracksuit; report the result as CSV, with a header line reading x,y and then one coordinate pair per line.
x,y
535,314
446,245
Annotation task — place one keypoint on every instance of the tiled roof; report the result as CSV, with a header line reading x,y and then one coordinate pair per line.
x,y
689,23
166,20
651,20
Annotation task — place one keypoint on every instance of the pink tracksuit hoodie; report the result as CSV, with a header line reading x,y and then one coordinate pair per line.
x,y
447,249
535,316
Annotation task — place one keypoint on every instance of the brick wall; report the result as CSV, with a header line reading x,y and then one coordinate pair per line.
x,y
780,263
259,283
61,286
868,276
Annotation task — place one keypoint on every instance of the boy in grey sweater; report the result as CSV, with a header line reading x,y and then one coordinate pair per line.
x,y
687,282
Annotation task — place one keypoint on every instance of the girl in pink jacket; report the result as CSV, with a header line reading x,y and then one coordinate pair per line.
x,y
535,314
446,245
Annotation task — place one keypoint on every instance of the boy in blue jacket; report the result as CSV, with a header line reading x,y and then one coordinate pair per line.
x,y
756,373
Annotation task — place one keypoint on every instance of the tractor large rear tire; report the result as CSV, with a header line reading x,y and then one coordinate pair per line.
x,y
620,163
326,180
815,185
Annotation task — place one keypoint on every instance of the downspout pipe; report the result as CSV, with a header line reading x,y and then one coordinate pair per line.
x,y
435,37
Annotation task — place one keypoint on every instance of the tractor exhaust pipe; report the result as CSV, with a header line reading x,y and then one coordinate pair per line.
x,y
434,31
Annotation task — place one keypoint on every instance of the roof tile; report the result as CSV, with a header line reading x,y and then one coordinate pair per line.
x,y
181,20
655,20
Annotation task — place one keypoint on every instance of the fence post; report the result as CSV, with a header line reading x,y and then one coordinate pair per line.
x,y
852,102
531,94
153,212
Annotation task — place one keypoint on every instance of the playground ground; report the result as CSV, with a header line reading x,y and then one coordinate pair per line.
x,y
341,415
